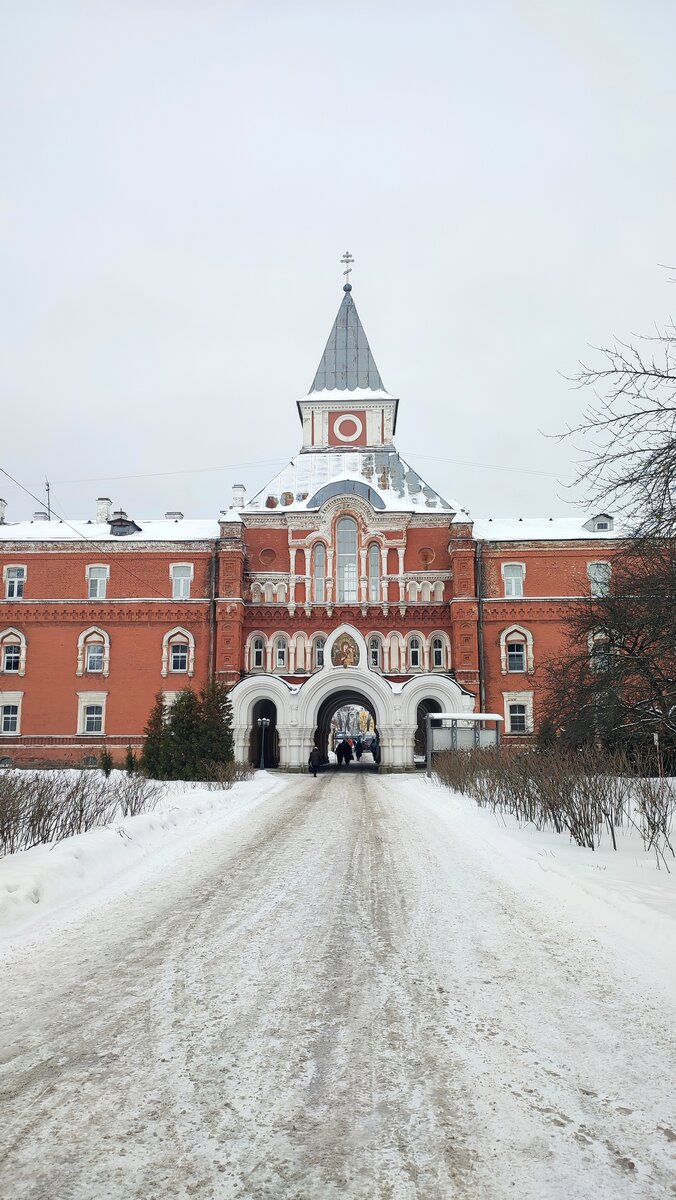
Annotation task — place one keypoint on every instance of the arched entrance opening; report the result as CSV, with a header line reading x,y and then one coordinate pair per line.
x,y
425,707
346,711
264,740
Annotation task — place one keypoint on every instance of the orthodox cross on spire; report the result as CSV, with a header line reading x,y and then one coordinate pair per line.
x,y
348,260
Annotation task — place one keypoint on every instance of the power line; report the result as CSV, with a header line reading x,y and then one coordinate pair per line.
x,y
270,462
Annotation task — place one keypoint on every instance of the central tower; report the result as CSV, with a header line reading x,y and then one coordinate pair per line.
x,y
347,407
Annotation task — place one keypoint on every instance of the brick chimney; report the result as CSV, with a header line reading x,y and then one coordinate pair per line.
x,y
103,504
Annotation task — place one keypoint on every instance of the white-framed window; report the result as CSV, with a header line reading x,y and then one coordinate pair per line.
x,y
91,712
97,581
513,575
258,654
178,652
181,579
319,573
516,657
10,713
438,654
15,579
346,540
12,652
281,653
374,570
516,650
318,647
93,652
375,654
414,653
599,651
599,578
518,712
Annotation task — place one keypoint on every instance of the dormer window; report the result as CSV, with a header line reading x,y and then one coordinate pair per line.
x,y
601,523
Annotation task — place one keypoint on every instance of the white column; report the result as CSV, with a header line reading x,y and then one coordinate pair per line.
x,y
292,575
383,585
402,593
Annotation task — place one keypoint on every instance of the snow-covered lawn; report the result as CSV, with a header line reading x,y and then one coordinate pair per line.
x,y
52,886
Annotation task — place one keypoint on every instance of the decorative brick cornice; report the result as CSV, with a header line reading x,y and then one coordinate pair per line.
x,y
119,612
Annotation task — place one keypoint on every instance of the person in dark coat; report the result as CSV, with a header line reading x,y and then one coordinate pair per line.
x,y
358,749
314,761
340,751
347,754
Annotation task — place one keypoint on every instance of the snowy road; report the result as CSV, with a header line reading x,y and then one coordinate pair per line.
x,y
344,994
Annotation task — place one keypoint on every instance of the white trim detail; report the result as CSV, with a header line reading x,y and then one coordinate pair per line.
x,y
172,637
348,437
84,700
516,633
88,637
13,637
7,698
525,698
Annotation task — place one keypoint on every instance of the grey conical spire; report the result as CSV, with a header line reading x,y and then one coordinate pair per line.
x,y
347,362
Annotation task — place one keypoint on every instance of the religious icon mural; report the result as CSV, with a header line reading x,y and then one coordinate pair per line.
x,y
345,651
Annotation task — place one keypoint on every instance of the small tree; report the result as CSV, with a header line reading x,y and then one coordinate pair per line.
x,y
130,762
183,747
216,719
106,762
153,755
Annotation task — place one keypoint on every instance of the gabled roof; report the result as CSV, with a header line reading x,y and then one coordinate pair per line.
x,y
347,362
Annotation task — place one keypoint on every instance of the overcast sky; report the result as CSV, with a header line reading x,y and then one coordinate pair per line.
x,y
178,181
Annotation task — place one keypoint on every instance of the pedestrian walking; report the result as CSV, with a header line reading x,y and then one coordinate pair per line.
x,y
347,754
314,761
358,749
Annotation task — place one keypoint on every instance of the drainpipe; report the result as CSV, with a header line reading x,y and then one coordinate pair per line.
x,y
478,569
213,574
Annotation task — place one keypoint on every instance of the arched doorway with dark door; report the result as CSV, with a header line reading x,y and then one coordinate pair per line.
x,y
347,715
263,736
425,707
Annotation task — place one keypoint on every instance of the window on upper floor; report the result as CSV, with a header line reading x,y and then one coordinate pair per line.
x,y
97,582
178,652
319,644
12,652
93,652
319,573
181,578
513,575
15,579
346,538
516,656
257,654
414,652
281,653
374,567
94,658
375,654
438,654
599,578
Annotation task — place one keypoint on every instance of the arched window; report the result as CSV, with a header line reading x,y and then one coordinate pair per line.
x,y
319,645
93,652
516,650
319,573
412,589
257,654
375,654
178,652
12,652
255,593
374,573
414,654
346,536
438,654
281,653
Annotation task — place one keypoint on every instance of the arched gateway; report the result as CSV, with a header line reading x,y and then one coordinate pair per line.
x,y
302,707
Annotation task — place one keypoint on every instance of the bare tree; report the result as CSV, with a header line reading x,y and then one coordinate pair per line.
x,y
615,679
629,462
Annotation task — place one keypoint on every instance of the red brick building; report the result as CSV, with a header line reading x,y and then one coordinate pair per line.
x,y
346,579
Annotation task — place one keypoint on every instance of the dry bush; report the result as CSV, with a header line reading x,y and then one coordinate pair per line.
x,y
47,806
222,776
582,793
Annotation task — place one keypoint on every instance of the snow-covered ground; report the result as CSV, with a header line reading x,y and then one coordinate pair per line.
x,y
360,986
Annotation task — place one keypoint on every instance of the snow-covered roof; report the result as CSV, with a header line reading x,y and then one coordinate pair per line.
x,y
99,531
380,476
543,529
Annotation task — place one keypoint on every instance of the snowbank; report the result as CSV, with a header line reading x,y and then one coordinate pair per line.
x,y
55,885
